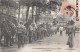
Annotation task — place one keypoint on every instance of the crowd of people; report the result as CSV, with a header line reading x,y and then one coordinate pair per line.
x,y
8,31
11,34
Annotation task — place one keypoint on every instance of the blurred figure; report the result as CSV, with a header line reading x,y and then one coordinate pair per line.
x,y
3,32
58,29
21,31
61,30
39,34
70,33
0,35
13,32
55,29
32,32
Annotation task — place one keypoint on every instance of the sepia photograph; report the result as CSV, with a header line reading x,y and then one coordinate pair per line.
x,y
39,26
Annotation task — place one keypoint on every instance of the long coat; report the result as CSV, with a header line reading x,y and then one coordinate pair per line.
x,y
71,36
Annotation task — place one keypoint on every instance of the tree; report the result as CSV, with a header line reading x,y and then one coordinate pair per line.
x,y
9,4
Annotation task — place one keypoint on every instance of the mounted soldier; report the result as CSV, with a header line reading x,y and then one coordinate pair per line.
x,y
21,31
33,28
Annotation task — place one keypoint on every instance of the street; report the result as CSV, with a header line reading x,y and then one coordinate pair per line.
x,y
56,42
39,26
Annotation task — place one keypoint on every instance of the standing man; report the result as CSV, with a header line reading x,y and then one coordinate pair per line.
x,y
61,30
71,30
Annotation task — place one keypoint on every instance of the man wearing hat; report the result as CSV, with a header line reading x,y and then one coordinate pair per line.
x,y
71,30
